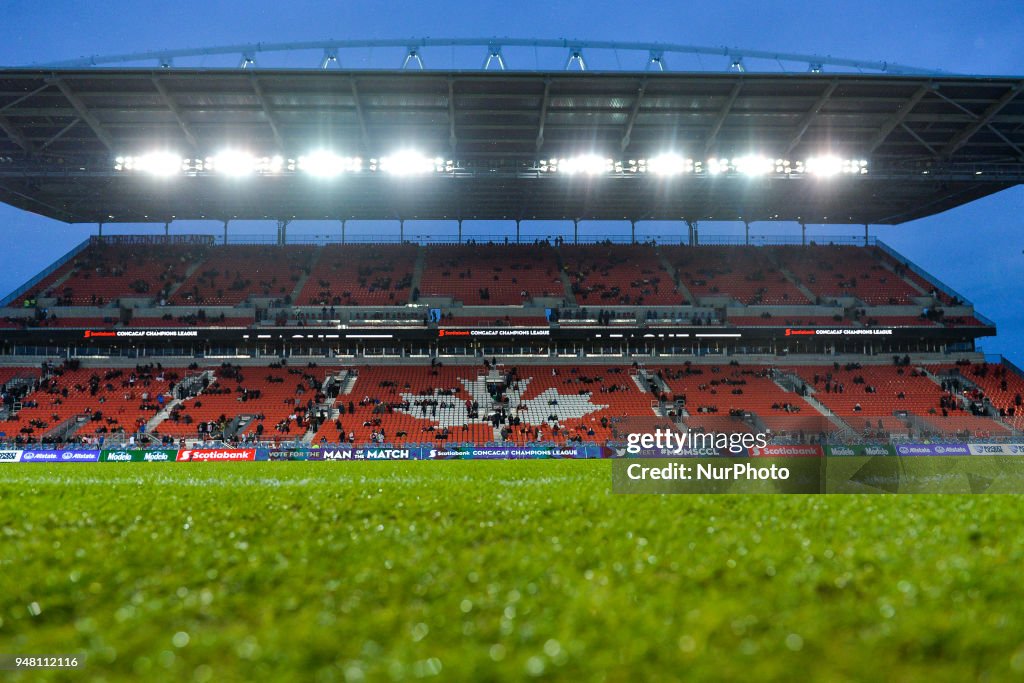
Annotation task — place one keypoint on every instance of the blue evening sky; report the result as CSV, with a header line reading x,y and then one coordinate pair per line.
x,y
977,249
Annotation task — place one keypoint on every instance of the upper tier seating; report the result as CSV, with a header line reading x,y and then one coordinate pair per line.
x,y
599,275
845,271
606,275
233,273
491,275
101,274
361,275
494,321
746,274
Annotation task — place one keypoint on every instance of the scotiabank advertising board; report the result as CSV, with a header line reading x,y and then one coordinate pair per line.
x,y
217,455
786,451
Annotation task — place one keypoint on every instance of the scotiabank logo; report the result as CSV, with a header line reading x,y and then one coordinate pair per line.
x,y
795,451
795,333
453,333
216,455
89,334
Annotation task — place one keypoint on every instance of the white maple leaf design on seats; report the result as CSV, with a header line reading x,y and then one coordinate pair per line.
x,y
451,410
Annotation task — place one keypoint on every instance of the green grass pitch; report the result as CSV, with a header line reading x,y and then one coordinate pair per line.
x,y
500,571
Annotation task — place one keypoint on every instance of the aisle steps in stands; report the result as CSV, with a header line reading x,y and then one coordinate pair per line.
x,y
674,274
348,382
789,381
796,283
304,277
192,268
154,422
417,270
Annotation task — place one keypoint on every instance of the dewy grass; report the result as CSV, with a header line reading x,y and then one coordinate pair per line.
x,y
496,571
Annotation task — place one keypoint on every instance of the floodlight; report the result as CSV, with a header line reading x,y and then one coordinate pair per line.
x,y
325,164
824,166
154,163
587,164
669,165
232,163
753,165
716,166
409,162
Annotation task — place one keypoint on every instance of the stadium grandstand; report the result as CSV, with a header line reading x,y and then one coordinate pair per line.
x,y
169,337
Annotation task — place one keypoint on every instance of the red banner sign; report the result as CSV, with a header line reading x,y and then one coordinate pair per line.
x,y
787,451
216,455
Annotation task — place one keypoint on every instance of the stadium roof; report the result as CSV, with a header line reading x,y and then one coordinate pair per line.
x,y
932,143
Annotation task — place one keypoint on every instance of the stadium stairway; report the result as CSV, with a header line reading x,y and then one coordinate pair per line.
x,y
188,274
66,429
789,381
304,276
676,280
566,283
796,283
154,422
417,270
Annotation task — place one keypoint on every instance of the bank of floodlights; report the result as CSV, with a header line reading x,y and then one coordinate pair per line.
x,y
324,164
153,163
235,163
318,164
407,162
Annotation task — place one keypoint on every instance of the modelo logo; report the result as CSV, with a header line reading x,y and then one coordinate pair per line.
x,y
10,456
842,450
156,457
875,450
119,456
